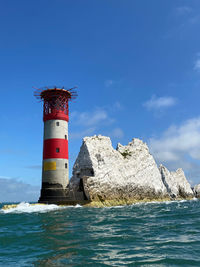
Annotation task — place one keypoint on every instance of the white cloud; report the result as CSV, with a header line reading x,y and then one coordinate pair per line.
x,y
94,118
187,19
182,10
5,177
179,140
81,134
197,65
179,146
98,121
194,20
109,83
159,102
117,106
12,190
117,133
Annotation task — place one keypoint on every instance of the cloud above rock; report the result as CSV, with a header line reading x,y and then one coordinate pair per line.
x,y
179,146
100,120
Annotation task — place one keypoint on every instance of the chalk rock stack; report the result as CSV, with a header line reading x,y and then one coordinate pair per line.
x,y
176,183
128,173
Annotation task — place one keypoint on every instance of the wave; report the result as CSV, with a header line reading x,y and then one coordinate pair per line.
x,y
25,207
167,202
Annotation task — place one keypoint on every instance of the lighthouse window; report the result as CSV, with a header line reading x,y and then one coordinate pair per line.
x,y
65,165
57,149
57,123
65,136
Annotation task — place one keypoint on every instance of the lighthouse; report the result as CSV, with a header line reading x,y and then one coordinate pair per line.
x,y
55,165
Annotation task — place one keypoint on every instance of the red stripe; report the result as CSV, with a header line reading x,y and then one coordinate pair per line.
x,y
50,147
56,116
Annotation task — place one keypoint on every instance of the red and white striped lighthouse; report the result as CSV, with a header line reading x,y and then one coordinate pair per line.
x,y
55,167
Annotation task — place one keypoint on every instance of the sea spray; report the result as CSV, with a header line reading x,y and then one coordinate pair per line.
x,y
29,208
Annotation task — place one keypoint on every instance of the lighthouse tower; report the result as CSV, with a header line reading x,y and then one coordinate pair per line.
x,y
55,167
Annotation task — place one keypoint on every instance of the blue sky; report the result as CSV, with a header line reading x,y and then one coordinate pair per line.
x,y
137,67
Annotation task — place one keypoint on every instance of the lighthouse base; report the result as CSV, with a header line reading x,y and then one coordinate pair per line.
x,y
59,196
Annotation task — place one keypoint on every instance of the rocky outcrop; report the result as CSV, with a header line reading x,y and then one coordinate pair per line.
x,y
176,183
197,191
129,172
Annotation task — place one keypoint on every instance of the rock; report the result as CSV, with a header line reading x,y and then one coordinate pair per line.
x,y
176,183
197,190
128,173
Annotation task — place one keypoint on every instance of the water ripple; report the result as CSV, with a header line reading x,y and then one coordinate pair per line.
x,y
150,234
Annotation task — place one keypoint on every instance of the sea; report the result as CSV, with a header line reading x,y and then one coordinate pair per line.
x,y
148,234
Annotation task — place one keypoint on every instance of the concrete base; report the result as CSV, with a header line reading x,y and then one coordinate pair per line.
x,y
55,194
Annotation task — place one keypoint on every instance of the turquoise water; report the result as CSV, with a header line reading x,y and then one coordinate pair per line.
x,y
151,234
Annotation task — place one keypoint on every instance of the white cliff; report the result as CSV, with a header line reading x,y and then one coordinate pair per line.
x,y
129,172
176,183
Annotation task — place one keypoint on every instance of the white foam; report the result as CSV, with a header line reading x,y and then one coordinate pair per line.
x,y
195,199
183,200
78,206
167,202
115,207
25,207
